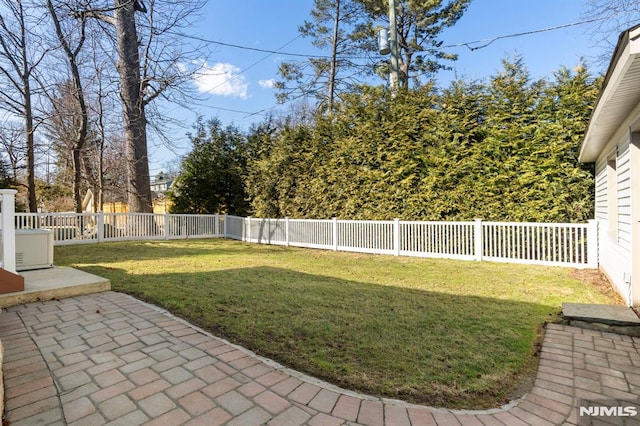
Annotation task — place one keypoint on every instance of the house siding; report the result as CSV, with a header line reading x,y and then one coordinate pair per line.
x,y
601,189
624,195
614,130
615,248
615,262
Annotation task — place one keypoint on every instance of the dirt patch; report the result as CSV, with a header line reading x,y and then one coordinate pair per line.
x,y
600,282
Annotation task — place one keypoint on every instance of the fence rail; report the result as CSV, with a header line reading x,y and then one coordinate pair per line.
x,y
77,228
573,245
453,240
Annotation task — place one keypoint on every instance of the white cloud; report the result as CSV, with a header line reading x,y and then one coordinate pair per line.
x,y
267,84
221,79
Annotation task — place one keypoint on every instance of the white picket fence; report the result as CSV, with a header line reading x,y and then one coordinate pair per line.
x,y
77,228
553,244
573,245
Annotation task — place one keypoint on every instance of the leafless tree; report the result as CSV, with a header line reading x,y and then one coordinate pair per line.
x,y
79,120
153,61
20,55
12,145
609,19
331,25
103,159
104,103
67,138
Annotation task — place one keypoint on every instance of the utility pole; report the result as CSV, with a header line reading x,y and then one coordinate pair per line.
x,y
393,41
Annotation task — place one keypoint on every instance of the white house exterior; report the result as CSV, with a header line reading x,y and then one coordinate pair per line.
x,y
612,142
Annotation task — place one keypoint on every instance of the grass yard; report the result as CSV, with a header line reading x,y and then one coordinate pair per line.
x,y
440,332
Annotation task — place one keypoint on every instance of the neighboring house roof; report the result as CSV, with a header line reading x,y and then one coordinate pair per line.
x,y
619,95
160,187
165,183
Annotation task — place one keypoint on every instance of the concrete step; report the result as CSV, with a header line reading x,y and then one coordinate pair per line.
x,y
610,318
54,283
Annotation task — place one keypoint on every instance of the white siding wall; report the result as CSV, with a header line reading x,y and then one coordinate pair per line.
x,y
601,189
624,195
615,261
615,248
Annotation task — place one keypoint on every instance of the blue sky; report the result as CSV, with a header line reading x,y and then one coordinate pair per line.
x,y
239,78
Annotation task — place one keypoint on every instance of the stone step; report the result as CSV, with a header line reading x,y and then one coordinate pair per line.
x,y
610,318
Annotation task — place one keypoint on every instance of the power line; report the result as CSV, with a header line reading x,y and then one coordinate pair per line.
x,y
265,57
253,65
488,41
255,49
467,44
227,109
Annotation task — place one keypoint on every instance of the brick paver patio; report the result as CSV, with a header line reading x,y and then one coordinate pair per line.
x,y
108,358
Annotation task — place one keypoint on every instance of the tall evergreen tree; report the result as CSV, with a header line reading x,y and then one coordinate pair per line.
x,y
418,26
504,150
510,128
379,154
261,177
565,185
211,175
455,166
520,163
347,29
275,176
325,78
6,179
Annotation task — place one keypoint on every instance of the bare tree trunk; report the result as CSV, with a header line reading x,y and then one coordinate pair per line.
x,y
28,115
28,128
78,93
334,49
138,182
99,184
404,69
81,137
99,194
77,179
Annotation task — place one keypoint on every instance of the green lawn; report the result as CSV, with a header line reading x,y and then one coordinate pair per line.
x,y
441,332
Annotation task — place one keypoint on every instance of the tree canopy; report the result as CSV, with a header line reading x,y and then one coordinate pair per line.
x,y
211,174
348,30
504,149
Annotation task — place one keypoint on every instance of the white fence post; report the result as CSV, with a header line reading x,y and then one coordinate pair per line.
x,y
286,230
224,225
249,229
335,233
166,226
592,244
477,239
100,227
396,237
8,229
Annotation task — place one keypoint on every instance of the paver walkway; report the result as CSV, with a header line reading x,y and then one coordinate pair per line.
x,y
108,358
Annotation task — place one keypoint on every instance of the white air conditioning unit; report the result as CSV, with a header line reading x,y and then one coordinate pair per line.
x,y
34,249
